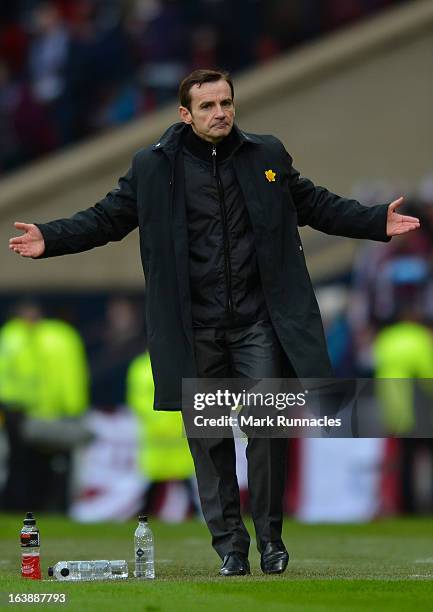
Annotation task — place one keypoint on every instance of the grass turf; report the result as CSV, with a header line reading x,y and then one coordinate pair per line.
x,y
386,565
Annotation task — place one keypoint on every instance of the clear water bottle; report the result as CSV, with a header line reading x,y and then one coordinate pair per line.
x,y
89,570
144,550
30,548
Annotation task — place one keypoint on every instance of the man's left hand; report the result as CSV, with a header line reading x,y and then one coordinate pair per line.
x,y
399,224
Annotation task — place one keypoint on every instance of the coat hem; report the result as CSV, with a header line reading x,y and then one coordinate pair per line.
x,y
168,406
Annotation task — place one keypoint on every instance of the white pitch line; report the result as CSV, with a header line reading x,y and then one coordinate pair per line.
x,y
421,576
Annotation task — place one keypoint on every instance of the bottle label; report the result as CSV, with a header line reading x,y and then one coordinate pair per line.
x,y
140,552
30,539
31,567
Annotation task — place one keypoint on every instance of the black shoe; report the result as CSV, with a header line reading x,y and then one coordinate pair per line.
x,y
274,558
235,564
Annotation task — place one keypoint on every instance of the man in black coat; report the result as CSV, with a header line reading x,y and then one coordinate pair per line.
x,y
228,291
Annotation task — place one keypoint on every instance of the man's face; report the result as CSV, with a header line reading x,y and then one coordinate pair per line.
x,y
212,110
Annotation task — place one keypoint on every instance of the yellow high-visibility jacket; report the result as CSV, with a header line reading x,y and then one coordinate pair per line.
x,y
402,351
164,453
43,368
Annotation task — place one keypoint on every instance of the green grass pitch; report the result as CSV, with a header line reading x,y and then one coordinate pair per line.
x,y
385,565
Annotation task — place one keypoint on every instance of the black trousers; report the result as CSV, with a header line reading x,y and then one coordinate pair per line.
x,y
247,352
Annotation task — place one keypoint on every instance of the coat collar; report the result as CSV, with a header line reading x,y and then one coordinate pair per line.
x,y
172,137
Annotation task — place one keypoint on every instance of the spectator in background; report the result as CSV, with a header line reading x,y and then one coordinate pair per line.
x,y
204,46
112,347
163,48
34,126
47,60
98,61
44,389
333,301
282,20
403,358
9,144
13,41
164,456
374,297
26,128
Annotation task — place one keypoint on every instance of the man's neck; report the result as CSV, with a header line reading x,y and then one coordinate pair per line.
x,y
202,148
211,142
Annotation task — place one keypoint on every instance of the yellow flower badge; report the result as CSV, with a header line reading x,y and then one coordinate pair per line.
x,y
270,175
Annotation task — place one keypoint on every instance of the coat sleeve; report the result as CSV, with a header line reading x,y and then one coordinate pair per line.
x,y
112,218
332,214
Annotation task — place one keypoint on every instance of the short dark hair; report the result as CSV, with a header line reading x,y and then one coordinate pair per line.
x,y
198,77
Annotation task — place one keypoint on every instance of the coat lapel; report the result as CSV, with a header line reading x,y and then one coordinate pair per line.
x,y
244,164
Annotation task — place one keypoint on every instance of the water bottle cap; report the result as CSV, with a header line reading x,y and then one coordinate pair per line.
x,y
30,519
143,518
50,571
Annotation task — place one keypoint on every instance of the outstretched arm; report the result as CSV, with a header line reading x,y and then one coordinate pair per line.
x,y
110,219
332,214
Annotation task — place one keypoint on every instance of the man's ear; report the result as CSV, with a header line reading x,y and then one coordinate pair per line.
x,y
185,115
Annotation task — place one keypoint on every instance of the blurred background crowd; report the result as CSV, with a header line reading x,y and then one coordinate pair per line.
x,y
77,431
71,68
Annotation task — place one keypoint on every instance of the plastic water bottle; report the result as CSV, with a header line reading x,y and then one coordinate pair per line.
x,y
89,570
30,548
144,550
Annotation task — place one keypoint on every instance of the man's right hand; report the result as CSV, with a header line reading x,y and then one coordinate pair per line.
x,y
31,243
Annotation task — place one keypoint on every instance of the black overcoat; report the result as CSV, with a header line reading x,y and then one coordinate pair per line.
x,y
277,202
